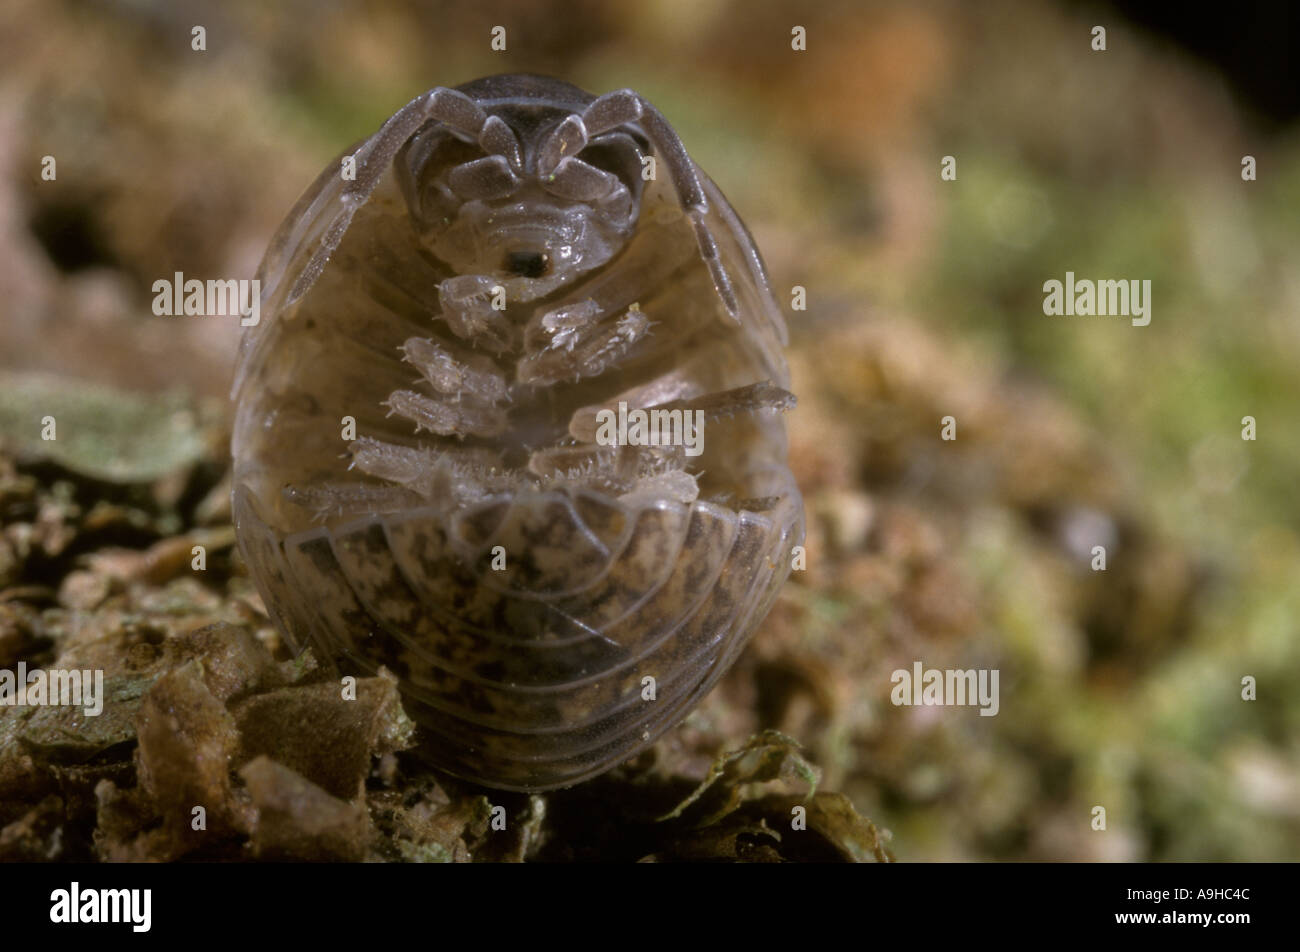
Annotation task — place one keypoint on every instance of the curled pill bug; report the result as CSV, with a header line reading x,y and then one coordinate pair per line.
x,y
510,426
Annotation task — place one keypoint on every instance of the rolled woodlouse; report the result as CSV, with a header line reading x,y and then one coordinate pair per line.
x,y
511,258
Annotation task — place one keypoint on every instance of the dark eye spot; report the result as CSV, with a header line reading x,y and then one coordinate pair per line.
x,y
527,264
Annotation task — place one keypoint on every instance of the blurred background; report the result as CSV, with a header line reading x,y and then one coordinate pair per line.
x,y
1119,688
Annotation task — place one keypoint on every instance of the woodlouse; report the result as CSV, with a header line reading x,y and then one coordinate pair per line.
x,y
511,258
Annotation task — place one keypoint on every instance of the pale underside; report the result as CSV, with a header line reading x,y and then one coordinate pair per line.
x,y
620,564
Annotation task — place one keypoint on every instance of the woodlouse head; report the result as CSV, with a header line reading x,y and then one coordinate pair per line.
x,y
530,195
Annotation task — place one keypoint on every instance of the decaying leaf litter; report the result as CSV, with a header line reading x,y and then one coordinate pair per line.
x,y
204,707
965,554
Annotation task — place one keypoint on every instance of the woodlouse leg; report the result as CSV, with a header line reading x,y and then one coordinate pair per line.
x,y
563,325
722,404
499,139
445,417
467,308
647,470
624,106
675,484
447,374
562,173
454,109
585,335
569,324
448,475
564,461
564,141
612,109
672,392
678,384
338,499
582,346
580,182
620,469
416,469
488,177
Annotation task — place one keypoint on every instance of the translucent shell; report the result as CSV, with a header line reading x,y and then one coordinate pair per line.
x,y
421,482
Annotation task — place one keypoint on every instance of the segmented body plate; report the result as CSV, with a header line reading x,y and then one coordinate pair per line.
x,y
550,603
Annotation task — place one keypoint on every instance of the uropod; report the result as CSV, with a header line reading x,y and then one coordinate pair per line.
x,y
511,426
